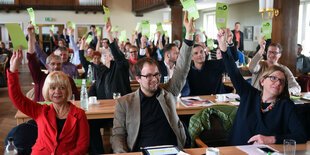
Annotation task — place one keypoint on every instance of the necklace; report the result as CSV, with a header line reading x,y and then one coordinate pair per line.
x,y
271,105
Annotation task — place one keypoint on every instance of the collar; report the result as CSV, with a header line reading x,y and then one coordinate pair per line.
x,y
142,97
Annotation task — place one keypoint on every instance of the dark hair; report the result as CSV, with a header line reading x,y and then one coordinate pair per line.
x,y
90,47
92,26
105,39
135,47
237,23
96,53
168,48
277,45
198,45
61,49
139,65
299,45
272,69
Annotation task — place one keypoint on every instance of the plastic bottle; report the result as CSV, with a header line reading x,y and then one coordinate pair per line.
x,y
84,96
90,75
10,149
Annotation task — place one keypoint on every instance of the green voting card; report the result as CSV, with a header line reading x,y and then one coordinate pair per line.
x,y
32,17
138,26
17,36
266,28
98,31
71,24
123,36
159,27
201,29
52,27
166,34
106,13
89,39
146,28
115,28
210,44
191,8
221,15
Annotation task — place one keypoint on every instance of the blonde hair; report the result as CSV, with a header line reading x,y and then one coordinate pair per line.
x,y
57,78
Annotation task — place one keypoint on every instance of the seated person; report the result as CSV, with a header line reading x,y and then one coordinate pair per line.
x,y
205,76
53,63
62,127
166,67
263,117
148,116
302,62
257,67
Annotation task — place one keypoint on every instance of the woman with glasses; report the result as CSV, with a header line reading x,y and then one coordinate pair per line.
x,y
62,127
266,116
257,67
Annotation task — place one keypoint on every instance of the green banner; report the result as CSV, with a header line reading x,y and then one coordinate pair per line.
x,y
267,28
89,39
146,28
107,13
201,29
17,36
210,44
138,26
191,8
98,31
221,15
159,27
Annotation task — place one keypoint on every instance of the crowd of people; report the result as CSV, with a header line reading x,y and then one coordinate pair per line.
x,y
148,117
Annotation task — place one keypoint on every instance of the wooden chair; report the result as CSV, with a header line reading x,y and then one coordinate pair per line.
x,y
3,60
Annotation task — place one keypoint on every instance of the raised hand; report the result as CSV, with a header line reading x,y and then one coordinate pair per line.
x,y
230,36
262,44
16,59
189,26
71,31
82,43
222,39
30,30
108,28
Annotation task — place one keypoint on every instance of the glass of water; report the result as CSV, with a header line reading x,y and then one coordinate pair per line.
x,y
289,146
116,95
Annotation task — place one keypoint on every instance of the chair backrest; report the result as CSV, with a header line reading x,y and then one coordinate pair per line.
x,y
216,120
304,82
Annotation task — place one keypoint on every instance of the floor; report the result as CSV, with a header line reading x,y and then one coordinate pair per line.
x,y
7,109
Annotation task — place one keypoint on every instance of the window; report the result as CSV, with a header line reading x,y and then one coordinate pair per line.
x,y
304,27
209,24
166,27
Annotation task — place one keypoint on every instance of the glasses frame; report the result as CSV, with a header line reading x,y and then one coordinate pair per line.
x,y
151,76
275,79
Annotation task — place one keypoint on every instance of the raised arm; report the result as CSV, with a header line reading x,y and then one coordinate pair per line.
x,y
293,86
182,67
254,66
76,58
83,60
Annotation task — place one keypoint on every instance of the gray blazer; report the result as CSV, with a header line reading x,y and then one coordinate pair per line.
x,y
127,111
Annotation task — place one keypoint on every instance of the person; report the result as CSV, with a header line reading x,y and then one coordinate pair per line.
x,y
148,116
263,117
205,76
93,33
302,62
53,63
257,67
133,52
75,48
62,127
166,67
238,36
116,78
65,37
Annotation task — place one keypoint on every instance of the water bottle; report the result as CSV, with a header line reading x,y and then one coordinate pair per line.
x,y
10,149
90,76
84,96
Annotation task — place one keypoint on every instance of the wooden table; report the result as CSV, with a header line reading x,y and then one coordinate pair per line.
x,y
106,109
233,150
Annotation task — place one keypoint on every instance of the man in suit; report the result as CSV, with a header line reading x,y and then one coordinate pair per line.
x,y
148,116
166,67
238,36
65,36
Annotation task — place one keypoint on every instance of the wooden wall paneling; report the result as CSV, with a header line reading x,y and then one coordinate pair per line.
x,y
143,6
285,31
177,21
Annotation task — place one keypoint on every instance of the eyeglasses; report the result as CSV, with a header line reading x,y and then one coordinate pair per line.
x,y
274,52
55,64
105,42
150,76
275,79
133,51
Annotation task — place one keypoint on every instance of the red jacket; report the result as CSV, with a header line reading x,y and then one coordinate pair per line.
x,y
74,138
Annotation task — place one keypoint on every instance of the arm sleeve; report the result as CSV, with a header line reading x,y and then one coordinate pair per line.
x,y
76,58
40,53
119,132
83,60
306,66
82,141
234,52
34,68
92,89
292,83
241,85
21,102
254,65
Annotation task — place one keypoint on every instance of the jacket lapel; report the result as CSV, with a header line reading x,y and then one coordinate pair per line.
x,y
70,122
134,116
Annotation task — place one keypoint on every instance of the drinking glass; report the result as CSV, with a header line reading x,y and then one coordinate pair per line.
x,y
289,146
116,95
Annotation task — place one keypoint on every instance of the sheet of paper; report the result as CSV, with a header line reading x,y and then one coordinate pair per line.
x,y
210,44
201,29
267,28
146,28
32,16
17,36
123,36
89,39
98,31
191,8
115,28
221,15
195,101
52,27
253,149
107,13
159,27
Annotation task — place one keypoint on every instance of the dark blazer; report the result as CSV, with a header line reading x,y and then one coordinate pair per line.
x,y
74,137
241,39
163,70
